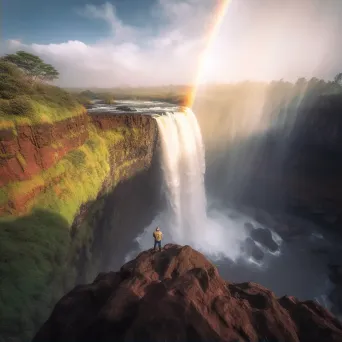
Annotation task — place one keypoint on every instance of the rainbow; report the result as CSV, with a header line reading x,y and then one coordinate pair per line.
x,y
212,33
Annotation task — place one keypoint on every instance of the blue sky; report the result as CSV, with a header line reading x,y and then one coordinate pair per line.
x,y
107,43
46,21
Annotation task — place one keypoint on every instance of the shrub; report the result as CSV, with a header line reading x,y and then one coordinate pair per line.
x,y
76,157
20,105
4,107
83,100
12,86
9,69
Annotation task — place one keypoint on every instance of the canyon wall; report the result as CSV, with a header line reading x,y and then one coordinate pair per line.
x,y
289,160
301,173
73,195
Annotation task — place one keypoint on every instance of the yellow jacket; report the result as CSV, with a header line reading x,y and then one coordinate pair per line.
x,y
158,235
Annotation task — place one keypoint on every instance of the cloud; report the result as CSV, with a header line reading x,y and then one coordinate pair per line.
x,y
107,13
131,56
258,39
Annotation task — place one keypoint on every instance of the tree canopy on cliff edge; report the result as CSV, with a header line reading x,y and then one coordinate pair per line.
x,y
25,95
33,66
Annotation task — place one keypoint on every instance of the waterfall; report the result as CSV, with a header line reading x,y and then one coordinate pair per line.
x,y
186,220
183,167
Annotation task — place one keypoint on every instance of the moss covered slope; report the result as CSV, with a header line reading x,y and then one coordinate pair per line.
x,y
38,251
55,162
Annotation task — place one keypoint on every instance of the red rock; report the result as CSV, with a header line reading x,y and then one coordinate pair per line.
x,y
178,295
35,143
10,147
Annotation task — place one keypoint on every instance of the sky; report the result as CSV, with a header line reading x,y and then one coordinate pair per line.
x,y
98,43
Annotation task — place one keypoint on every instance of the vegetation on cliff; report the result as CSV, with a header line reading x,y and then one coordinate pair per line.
x,y
34,248
38,250
26,98
39,245
32,66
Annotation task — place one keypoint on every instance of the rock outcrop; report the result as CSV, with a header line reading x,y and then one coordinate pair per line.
x,y
178,295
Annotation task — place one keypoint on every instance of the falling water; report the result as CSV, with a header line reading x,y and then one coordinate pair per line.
x,y
186,219
183,166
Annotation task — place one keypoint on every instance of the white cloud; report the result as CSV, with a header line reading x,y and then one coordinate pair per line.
x,y
107,12
259,39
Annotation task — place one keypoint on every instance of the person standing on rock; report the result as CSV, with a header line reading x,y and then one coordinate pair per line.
x,y
158,235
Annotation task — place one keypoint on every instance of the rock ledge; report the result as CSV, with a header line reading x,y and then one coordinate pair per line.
x,y
178,295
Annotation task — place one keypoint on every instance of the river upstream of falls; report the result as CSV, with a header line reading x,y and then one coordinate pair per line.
x,y
243,248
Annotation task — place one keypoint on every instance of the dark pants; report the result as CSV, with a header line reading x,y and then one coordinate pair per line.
x,y
157,243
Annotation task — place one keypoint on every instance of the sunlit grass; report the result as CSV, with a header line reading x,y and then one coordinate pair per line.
x,y
41,113
23,102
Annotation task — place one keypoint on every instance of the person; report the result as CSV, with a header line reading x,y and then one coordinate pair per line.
x,y
158,235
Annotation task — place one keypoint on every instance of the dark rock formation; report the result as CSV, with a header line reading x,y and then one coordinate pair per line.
x,y
336,294
178,295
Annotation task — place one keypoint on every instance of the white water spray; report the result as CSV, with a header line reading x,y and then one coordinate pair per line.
x,y
185,220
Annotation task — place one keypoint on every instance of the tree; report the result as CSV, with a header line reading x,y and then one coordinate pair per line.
x,y
107,98
33,66
49,73
301,82
338,78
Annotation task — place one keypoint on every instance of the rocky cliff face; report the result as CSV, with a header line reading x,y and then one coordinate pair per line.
x,y
178,295
28,150
84,189
132,186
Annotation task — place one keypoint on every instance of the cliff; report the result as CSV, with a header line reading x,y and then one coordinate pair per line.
x,y
64,190
178,295
27,150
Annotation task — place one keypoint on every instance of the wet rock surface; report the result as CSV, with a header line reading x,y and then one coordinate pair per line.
x,y
311,237
178,295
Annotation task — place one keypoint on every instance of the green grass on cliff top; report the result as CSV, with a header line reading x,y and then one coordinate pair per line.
x,y
26,102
